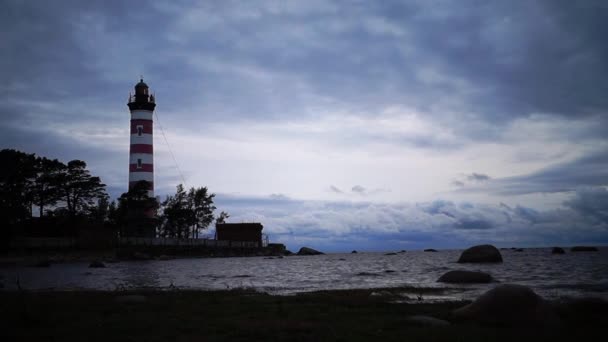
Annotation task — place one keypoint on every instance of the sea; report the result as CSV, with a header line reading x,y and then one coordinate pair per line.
x,y
553,276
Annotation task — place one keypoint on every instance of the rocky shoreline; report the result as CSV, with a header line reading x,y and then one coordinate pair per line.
x,y
505,312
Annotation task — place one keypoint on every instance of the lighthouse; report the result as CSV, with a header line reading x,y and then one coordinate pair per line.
x,y
141,152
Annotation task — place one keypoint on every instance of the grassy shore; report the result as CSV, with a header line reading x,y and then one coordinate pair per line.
x,y
240,315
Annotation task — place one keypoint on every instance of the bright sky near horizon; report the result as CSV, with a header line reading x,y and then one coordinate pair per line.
x,y
369,125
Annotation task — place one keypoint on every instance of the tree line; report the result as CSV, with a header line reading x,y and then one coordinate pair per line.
x,y
47,190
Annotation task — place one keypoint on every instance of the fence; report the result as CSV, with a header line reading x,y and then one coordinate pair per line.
x,y
132,241
138,241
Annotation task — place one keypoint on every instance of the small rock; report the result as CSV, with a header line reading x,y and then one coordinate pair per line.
x,y
97,264
558,250
430,250
353,252
389,271
480,253
460,276
519,250
583,249
342,259
130,299
390,253
308,251
402,251
426,321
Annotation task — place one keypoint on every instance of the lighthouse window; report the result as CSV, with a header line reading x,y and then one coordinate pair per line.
x,y
140,130
139,163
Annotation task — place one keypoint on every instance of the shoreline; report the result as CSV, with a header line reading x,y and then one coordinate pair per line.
x,y
242,314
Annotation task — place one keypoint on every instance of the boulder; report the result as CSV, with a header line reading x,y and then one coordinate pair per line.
x,y
353,252
430,250
508,305
462,277
96,264
480,253
558,250
426,321
583,249
308,251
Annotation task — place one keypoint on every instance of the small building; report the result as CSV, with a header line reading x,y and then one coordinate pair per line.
x,y
243,232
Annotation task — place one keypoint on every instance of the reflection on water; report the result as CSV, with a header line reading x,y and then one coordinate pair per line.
x,y
571,274
139,275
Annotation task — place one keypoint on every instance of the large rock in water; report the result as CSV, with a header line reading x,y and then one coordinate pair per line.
x,y
508,305
465,277
308,251
481,253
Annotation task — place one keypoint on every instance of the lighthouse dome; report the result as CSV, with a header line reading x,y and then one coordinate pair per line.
x,y
141,84
141,88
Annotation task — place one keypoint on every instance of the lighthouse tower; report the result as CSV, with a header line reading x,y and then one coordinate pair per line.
x,y
141,153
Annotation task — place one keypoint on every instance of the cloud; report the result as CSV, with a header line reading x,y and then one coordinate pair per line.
x,y
478,177
335,189
590,170
301,95
358,189
591,203
457,183
340,226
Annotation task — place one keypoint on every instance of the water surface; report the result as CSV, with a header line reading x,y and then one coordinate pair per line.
x,y
552,276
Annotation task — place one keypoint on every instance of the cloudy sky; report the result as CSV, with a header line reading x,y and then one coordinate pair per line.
x,y
370,125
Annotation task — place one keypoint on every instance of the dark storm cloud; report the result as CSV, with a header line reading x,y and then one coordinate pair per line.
x,y
588,171
591,203
473,67
492,60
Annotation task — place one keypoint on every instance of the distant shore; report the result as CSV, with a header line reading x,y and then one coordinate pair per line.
x,y
239,315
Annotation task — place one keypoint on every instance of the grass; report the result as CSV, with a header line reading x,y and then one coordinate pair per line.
x,y
242,315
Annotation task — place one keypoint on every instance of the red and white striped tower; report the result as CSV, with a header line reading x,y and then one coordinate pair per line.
x,y
141,153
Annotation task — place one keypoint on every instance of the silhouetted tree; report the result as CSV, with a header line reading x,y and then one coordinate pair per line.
x,y
222,217
201,205
16,177
176,218
131,204
186,213
46,188
80,190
